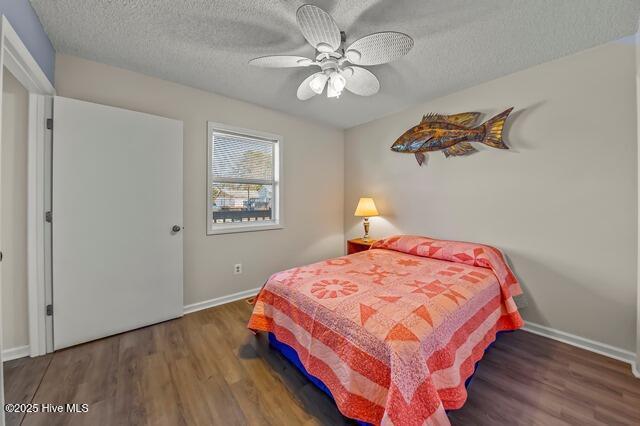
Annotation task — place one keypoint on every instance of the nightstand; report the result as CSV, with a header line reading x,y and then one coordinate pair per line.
x,y
358,244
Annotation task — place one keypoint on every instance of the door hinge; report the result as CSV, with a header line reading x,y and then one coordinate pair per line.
x,y
49,310
49,123
48,217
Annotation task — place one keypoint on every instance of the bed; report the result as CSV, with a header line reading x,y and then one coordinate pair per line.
x,y
394,332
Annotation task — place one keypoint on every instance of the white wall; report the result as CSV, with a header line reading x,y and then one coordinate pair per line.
x,y
313,176
561,203
13,225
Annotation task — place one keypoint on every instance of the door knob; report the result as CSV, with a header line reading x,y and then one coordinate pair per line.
x,y
176,228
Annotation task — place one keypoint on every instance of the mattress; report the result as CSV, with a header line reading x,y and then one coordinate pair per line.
x,y
393,333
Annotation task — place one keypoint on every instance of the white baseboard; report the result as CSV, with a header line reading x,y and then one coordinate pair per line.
x,y
15,353
194,307
584,343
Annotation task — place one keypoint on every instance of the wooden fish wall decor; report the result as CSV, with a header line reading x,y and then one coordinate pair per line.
x,y
452,134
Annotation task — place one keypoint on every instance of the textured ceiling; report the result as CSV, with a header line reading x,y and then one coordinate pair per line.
x,y
206,43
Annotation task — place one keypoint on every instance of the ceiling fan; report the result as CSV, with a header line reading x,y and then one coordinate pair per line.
x,y
338,67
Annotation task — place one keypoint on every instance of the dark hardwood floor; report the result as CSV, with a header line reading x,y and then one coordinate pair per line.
x,y
206,368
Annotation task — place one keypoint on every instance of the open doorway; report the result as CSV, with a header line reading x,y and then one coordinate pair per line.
x,y
13,228
13,218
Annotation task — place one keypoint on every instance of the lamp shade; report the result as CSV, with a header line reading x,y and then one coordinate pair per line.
x,y
366,208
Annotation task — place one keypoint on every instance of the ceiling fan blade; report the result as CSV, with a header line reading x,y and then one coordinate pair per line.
x,y
319,28
379,48
304,90
361,81
281,61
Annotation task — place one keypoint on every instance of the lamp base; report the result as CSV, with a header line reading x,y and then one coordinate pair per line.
x,y
366,229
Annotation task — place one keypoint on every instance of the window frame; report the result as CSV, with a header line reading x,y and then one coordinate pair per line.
x,y
278,218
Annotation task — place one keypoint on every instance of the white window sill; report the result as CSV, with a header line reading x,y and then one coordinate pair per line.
x,y
234,229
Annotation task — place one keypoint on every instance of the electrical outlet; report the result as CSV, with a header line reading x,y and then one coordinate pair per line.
x,y
237,268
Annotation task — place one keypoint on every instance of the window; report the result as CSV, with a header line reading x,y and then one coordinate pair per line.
x,y
243,185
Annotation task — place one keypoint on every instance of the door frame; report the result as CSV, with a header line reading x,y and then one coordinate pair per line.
x,y
636,365
17,59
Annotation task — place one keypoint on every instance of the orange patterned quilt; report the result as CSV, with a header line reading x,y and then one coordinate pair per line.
x,y
394,331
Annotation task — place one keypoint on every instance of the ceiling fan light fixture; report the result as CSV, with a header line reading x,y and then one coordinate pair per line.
x,y
337,82
318,82
332,92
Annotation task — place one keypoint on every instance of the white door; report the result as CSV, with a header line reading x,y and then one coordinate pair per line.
x,y
116,197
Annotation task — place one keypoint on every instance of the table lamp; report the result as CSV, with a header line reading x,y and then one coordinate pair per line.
x,y
366,208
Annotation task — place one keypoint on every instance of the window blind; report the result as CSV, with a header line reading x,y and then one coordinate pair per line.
x,y
242,158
